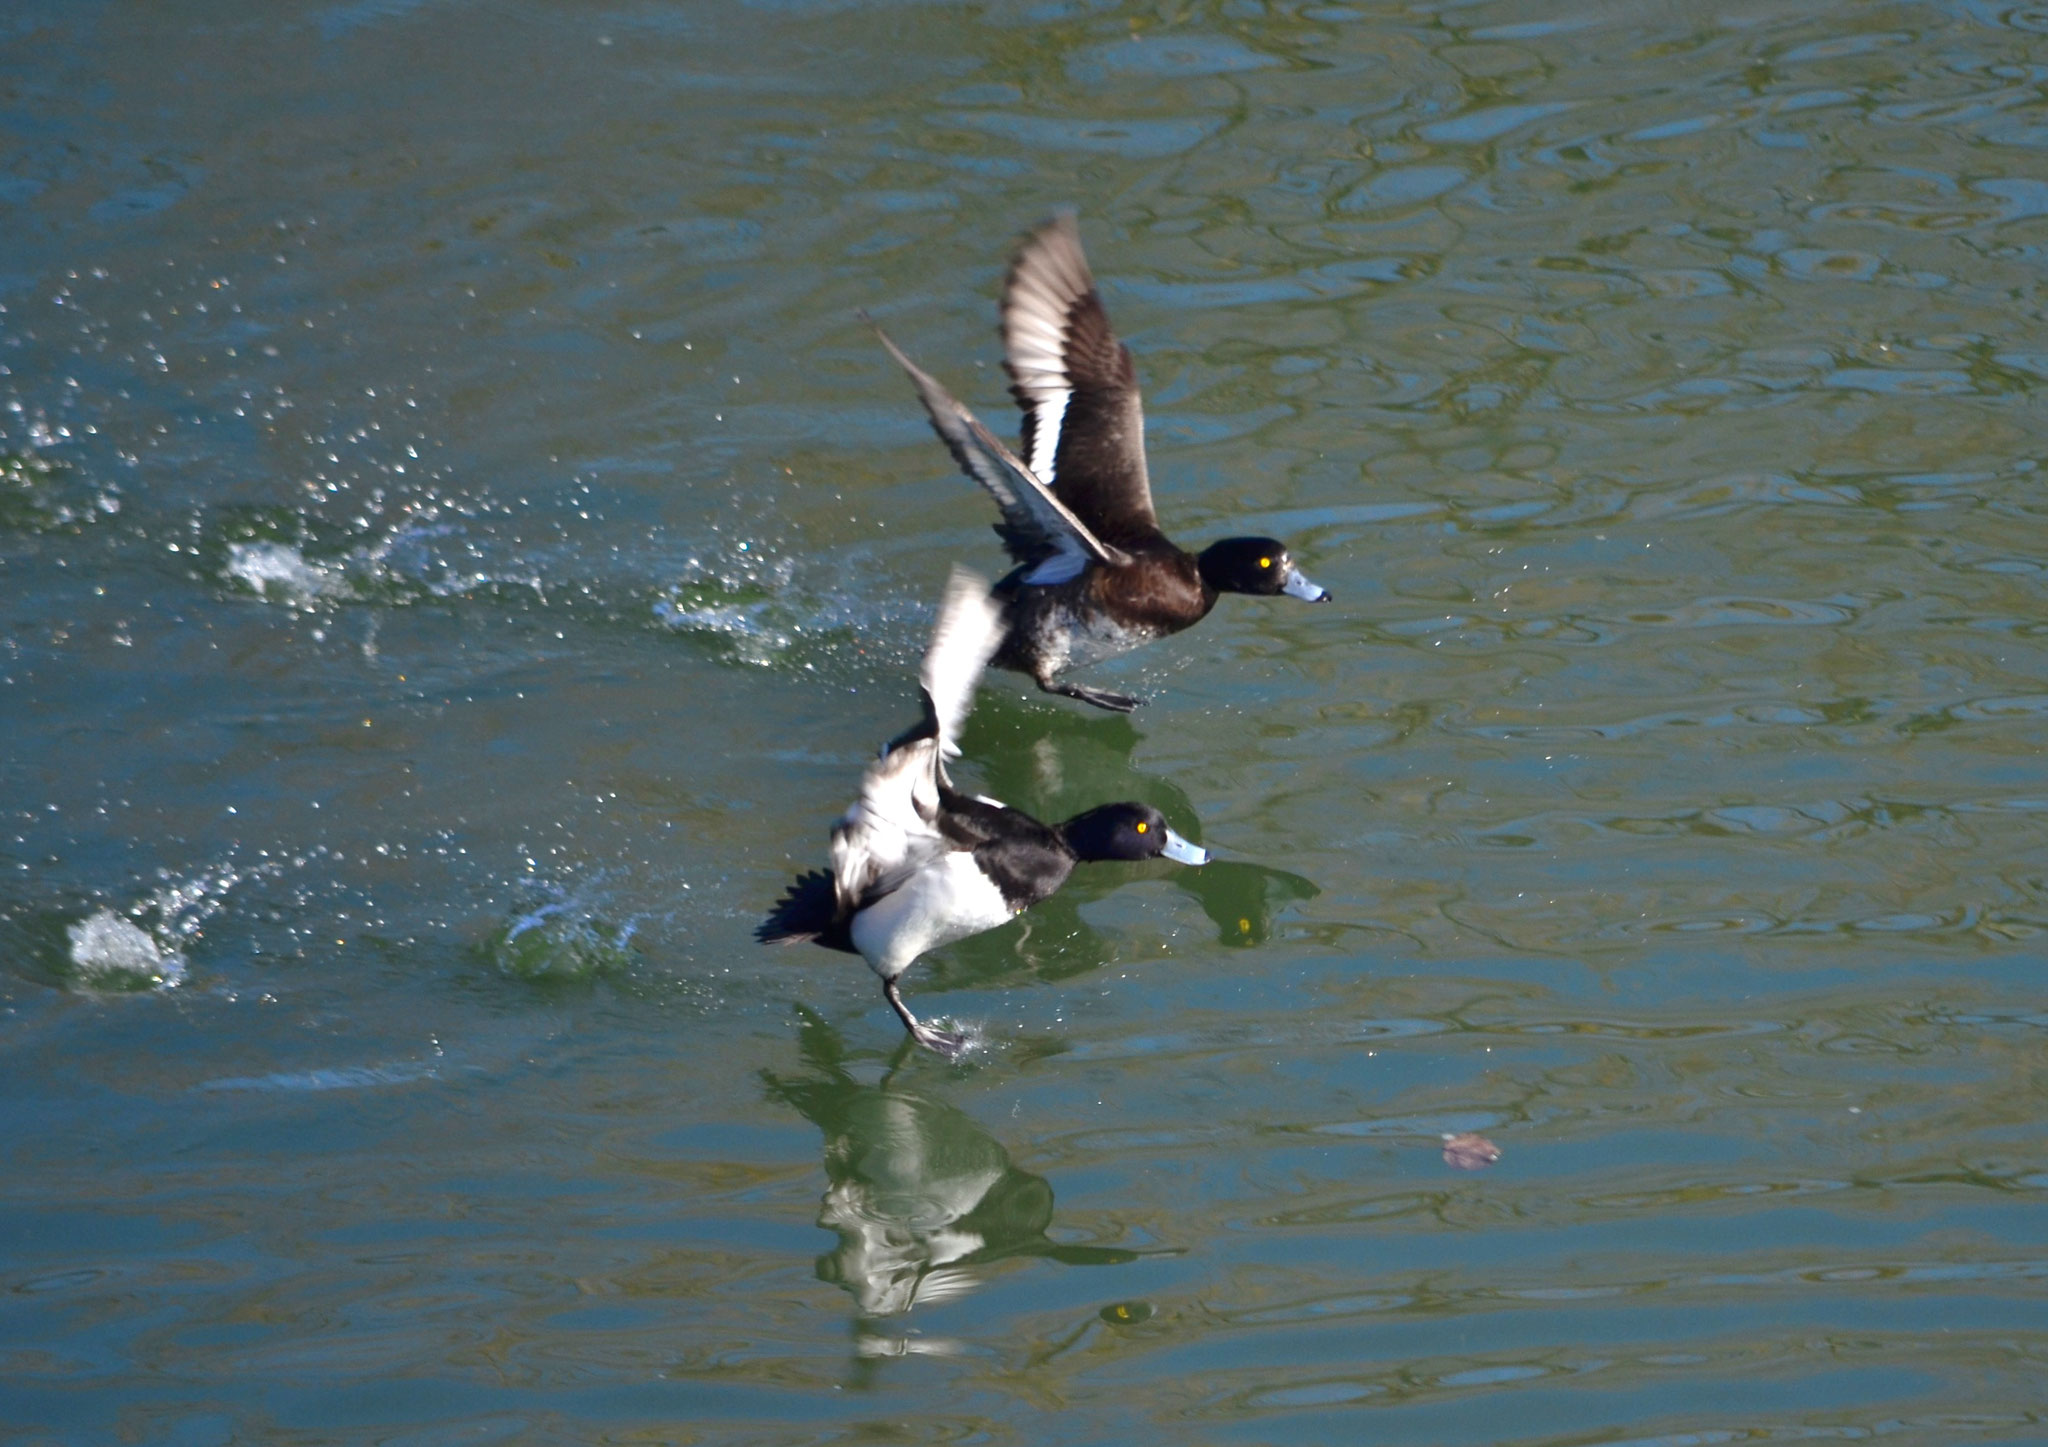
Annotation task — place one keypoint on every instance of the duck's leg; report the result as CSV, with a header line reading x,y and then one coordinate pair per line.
x,y
1100,697
945,1043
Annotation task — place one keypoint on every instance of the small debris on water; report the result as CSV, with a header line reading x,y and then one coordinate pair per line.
x,y
1469,1152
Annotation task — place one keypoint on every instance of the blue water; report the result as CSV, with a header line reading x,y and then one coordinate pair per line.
x,y
459,547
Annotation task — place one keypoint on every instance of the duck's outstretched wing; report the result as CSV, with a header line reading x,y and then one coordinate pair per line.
x,y
892,830
1084,422
1039,530
969,629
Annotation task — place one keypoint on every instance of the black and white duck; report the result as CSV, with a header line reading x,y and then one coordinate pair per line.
x,y
916,864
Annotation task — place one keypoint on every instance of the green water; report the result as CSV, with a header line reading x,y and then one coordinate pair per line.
x,y
458,547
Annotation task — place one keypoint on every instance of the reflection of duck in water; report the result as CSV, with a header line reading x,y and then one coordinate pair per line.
x,y
924,1201
1052,765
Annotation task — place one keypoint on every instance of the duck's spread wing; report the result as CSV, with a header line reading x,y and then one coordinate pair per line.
x,y
1084,423
892,830
896,827
969,629
1040,531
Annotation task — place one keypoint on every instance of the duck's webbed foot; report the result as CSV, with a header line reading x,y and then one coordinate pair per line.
x,y
946,1044
1100,697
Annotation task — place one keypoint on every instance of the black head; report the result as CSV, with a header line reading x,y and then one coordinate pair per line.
x,y
1256,565
1127,831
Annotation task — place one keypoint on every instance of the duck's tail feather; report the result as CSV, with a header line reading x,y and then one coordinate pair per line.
x,y
808,912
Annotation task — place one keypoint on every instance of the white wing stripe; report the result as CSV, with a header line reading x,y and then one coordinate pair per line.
x,y
1049,414
1036,335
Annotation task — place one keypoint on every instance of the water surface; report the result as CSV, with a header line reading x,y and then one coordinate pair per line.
x,y
458,547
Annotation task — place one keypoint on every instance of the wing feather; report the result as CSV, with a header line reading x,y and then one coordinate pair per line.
x,y
969,629
1039,530
892,829
1084,419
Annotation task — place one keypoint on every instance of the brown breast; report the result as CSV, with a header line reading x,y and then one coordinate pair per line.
x,y
1161,590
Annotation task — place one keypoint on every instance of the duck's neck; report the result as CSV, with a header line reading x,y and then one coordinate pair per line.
x,y
1209,567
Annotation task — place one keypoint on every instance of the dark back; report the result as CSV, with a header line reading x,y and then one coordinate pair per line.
x,y
1026,860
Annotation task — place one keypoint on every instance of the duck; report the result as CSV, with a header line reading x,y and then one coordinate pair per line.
x,y
1095,576
917,865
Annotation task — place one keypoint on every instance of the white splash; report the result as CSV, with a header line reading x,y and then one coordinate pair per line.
x,y
565,937
184,903
746,604
345,1077
757,609
418,558
754,639
109,950
281,573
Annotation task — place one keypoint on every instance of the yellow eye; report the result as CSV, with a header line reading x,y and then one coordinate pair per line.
x,y
1265,562
1143,827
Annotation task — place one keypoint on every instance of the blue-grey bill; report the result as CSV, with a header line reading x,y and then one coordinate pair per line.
x,y
1182,852
1297,586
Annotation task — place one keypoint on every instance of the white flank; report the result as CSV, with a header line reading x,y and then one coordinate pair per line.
x,y
946,900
